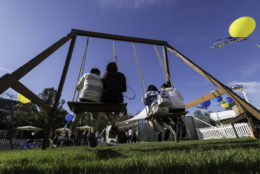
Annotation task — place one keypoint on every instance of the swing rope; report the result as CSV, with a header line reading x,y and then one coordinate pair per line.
x,y
161,63
160,60
140,74
116,60
115,55
82,66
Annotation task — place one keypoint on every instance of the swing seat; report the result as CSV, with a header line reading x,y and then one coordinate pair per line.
x,y
172,115
80,107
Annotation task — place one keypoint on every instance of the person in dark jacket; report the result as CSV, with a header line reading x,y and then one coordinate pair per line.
x,y
114,84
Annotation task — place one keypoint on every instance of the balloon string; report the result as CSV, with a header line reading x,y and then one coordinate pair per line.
x,y
228,40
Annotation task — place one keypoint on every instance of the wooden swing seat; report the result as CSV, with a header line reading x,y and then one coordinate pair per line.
x,y
80,107
172,115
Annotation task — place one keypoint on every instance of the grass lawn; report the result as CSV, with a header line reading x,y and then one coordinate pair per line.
x,y
207,156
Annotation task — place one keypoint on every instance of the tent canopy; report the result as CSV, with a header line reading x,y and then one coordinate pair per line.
x,y
28,128
63,130
142,115
86,127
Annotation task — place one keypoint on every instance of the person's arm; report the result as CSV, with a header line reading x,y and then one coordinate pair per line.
x,y
80,83
144,99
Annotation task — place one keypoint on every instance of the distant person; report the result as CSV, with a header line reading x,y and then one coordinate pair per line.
x,y
150,99
130,135
134,138
91,86
114,84
127,135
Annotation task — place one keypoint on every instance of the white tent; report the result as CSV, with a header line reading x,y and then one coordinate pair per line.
x,y
85,127
142,115
28,128
63,130
218,116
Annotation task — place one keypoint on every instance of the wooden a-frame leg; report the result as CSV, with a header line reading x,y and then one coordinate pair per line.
x,y
234,129
252,126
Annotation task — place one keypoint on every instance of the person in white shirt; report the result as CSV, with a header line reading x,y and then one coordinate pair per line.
x,y
91,86
176,99
130,134
176,105
149,99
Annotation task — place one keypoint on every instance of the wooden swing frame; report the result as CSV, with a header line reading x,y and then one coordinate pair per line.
x,y
12,80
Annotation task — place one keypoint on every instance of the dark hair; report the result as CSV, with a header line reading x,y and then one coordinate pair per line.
x,y
111,67
165,85
95,71
152,88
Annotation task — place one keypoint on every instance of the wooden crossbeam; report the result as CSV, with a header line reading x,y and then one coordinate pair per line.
x,y
118,37
236,119
204,98
19,87
9,79
251,109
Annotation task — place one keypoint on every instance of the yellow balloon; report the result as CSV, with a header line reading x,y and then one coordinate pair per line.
x,y
23,99
242,27
225,105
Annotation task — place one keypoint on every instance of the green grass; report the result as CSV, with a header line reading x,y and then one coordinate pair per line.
x,y
207,156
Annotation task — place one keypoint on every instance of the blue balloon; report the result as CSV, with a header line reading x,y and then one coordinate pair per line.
x,y
229,100
205,104
69,118
219,99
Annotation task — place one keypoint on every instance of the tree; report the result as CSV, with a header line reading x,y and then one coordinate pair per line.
x,y
48,96
30,114
7,116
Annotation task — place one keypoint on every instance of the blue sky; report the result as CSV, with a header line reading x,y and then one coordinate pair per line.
x,y
28,27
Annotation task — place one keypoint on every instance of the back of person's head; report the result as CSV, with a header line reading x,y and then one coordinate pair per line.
x,y
165,85
95,71
152,88
111,68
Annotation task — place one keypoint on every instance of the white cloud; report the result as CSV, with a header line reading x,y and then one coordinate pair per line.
x,y
252,90
4,69
135,3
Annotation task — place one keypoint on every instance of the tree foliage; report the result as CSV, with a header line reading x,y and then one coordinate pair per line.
x,y
30,114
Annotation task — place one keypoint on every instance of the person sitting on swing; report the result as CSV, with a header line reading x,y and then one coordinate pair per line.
x,y
149,100
176,105
114,84
91,86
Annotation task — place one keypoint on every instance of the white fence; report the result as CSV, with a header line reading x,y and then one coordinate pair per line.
x,y
243,130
